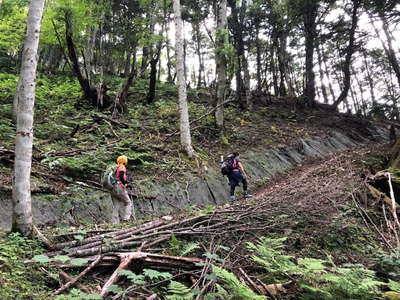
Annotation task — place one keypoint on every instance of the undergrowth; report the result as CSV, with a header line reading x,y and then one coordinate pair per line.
x,y
20,281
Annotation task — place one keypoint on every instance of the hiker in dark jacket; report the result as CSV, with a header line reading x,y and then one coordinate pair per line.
x,y
236,176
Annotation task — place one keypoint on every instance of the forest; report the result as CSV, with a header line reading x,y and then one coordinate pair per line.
x,y
117,119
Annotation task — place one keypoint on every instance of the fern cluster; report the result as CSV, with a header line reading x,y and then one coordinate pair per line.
x,y
319,279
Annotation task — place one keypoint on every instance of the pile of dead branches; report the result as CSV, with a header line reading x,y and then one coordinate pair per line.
x,y
143,246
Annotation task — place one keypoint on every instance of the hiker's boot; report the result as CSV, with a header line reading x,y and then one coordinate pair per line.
x,y
232,198
247,195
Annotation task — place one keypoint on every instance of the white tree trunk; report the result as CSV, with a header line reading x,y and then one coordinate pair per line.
x,y
220,61
22,210
186,140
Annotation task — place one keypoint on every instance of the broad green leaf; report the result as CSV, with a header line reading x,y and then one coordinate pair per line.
x,y
79,261
41,258
79,237
62,258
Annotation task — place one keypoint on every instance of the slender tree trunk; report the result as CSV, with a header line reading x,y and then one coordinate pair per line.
x,y
167,41
327,73
309,20
184,52
89,92
128,61
369,79
186,140
249,102
237,21
21,192
197,37
354,98
281,49
349,53
220,61
360,88
258,57
322,77
389,49
274,72
145,59
89,52
153,74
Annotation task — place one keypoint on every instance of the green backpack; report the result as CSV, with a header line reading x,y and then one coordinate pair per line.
x,y
109,179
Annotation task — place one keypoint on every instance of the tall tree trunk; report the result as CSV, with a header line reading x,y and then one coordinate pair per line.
x,y
274,72
122,97
197,37
281,43
309,20
88,92
21,192
237,28
360,88
246,76
220,61
327,73
145,60
349,53
186,140
258,57
153,74
128,61
389,49
369,79
167,41
89,52
322,77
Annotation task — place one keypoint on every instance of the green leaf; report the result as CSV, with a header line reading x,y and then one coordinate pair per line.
x,y
211,256
41,258
79,261
79,237
62,258
224,248
211,277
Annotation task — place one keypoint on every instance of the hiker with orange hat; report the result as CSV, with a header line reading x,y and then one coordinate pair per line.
x,y
119,194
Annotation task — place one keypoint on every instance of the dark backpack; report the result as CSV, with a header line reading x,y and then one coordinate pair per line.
x,y
227,166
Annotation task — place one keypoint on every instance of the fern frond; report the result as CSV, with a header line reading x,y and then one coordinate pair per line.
x,y
178,291
236,289
189,248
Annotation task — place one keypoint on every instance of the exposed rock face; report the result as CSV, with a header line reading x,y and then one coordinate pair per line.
x,y
160,198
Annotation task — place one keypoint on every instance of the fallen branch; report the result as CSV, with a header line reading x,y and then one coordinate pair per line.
x,y
42,238
75,280
394,211
126,259
251,282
